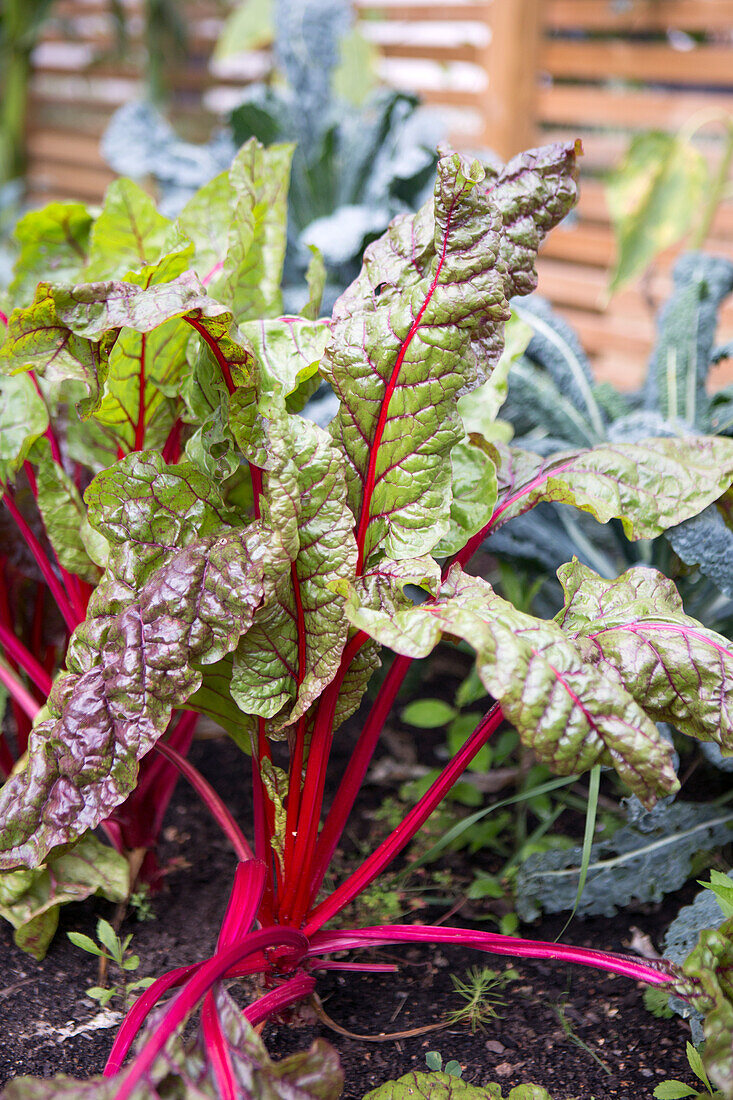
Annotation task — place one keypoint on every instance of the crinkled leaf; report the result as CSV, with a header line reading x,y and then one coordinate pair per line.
x,y
421,325
23,418
148,510
650,485
126,676
64,517
297,638
443,1086
706,981
128,234
686,325
632,865
37,339
250,281
677,669
707,542
30,900
53,247
572,715
355,681
652,197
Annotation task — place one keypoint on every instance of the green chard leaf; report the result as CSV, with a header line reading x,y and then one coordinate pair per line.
x,y
64,516
473,493
250,281
23,418
650,485
421,325
129,233
30,900
288,350
297,638
571,715
53,245
37,339
237,223
676,668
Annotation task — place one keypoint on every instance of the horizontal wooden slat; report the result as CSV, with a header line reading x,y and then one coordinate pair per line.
x,y
598,106
424,9
585,59
592,207
84,183
583,287
66,148
603,149
454,12
640,15
581,243
442,54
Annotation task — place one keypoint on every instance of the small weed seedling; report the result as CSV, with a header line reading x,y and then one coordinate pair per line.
x,y
478,992
675,1090
116,951
434,1061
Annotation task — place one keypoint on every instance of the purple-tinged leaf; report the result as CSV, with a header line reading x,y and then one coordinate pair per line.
x,y
571,715
650,485
125,679
533,192
313,1074
676,668
148,511
422,324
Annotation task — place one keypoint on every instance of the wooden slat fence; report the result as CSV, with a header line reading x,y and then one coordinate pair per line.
x,y
504,73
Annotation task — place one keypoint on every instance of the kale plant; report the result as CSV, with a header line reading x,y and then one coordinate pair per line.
x,y
255,579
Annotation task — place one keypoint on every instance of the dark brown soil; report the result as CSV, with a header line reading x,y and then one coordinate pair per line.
x,y
580,1033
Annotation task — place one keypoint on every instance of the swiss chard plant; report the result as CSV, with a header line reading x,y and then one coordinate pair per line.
x,y
255,579
74,410
553,403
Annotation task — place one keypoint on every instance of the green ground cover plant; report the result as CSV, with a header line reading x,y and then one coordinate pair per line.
x,y
253,573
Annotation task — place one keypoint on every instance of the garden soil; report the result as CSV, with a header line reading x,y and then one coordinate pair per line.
x,y
578,1032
